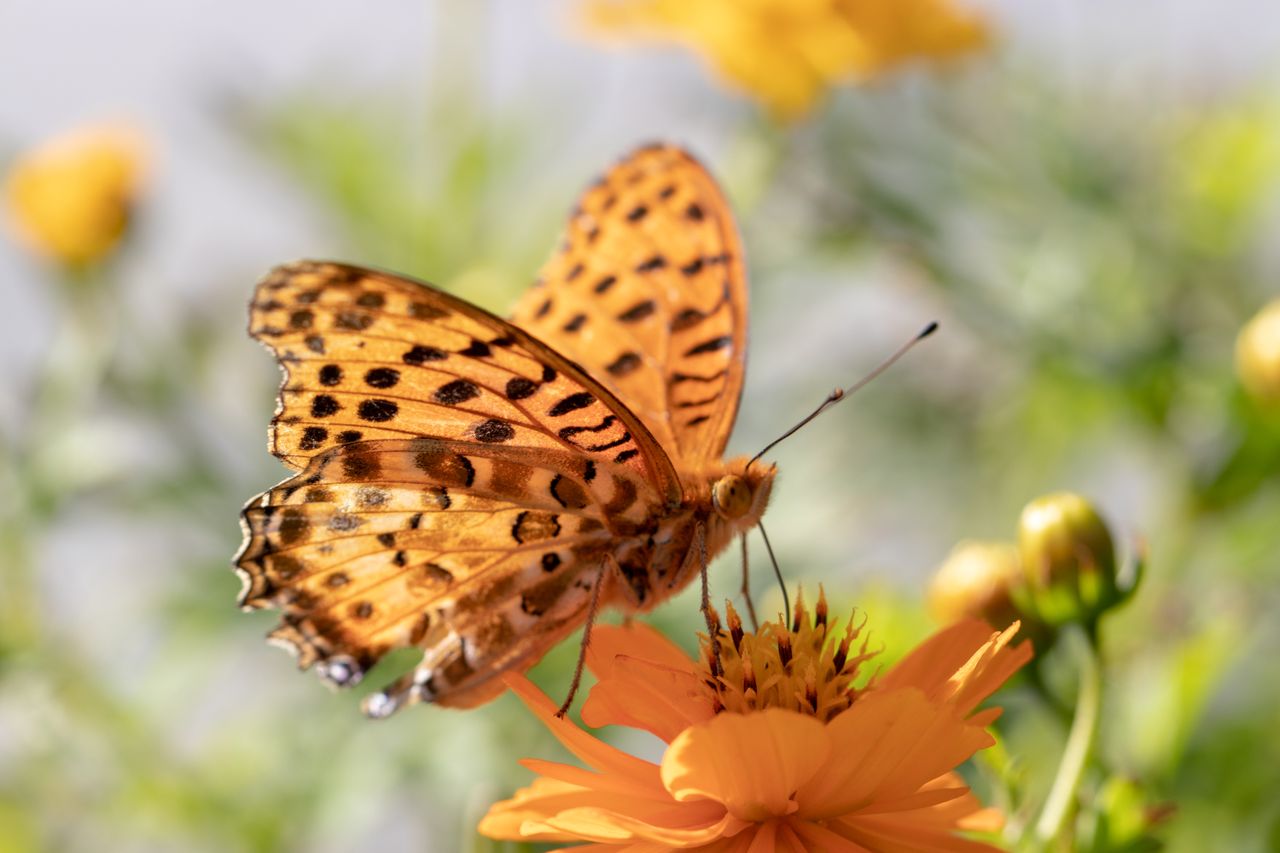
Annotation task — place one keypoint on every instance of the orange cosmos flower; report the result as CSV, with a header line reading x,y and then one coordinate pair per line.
x,y
782,751
786,53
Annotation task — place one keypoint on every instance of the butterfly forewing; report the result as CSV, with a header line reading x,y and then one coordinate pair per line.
x,y
648,294
370,355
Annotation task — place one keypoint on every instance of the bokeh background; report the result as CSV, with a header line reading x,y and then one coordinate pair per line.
x,y
1089,205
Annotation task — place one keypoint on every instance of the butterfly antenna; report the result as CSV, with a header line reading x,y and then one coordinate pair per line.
x,y
840,393
777,572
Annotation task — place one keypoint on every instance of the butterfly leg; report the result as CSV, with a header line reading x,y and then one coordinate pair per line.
x,y
713,620
586,641
746,587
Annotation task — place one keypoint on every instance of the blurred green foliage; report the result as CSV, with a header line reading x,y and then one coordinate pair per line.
x,y
1091,263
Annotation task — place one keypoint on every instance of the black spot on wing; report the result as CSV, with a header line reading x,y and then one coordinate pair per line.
x,y
519,388
323,406
710,346
330,374
638,312
313,437
456,392
494,431
382,377
420,355
378,410
572,403
476,349
623,364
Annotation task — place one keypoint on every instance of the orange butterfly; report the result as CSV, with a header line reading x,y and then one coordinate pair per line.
x,y
475,487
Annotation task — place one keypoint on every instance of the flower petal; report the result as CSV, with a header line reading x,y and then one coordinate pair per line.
x,y
963,664
595,824
508,818
752,763
636,640
659,699
594,752
889,745
818,837
906,833
613,783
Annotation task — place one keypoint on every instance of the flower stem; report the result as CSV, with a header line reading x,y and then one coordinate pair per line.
x,y
1084,728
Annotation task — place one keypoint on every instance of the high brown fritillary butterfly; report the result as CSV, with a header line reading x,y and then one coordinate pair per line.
x,y
473,487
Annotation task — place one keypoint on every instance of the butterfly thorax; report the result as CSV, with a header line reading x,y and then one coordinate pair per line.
x,y
723,499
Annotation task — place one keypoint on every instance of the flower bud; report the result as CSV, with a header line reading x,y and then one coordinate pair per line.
x,y
974,582
1068,559
70,198
1258,354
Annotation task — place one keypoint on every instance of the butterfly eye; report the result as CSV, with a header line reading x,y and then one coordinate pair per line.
x,y
731,496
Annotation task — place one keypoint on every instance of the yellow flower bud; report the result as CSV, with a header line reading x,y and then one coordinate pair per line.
x,y
974,582
1068,558
70,198
1258,354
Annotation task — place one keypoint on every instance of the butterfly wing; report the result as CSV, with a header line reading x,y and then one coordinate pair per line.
x,y
482,556
649,294
371,355
460,484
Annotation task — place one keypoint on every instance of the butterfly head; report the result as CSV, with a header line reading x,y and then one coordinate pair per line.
x,y
740,494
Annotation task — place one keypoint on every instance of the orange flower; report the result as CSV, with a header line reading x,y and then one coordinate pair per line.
x,y
787,53
782,752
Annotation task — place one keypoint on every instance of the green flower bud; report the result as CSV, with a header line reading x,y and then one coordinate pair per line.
x,y
1068,558
974,582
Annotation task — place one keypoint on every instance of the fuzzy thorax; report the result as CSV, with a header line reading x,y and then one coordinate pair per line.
x,y
733,494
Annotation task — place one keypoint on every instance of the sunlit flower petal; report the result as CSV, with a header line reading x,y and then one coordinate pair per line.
x,y
708,762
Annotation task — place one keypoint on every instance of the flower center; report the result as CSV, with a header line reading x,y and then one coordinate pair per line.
x,y
801,667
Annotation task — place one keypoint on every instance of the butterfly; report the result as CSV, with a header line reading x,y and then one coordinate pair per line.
x,y
475,487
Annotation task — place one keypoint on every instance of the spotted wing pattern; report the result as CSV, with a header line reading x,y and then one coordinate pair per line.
x,y
370,355
434,441
648,293
483,556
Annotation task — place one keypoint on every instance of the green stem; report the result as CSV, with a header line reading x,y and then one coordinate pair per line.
x,y
1084,728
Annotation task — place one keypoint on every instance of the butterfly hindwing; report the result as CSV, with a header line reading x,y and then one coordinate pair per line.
x,y
483,557
649,294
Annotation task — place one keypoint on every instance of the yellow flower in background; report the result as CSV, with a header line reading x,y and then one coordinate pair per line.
x,y
70,198
781,751
788,52
1258,354
976,582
